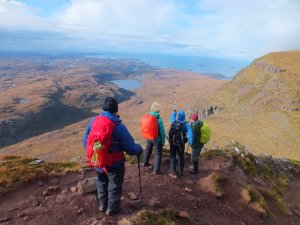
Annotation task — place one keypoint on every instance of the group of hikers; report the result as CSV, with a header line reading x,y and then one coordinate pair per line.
x,y
106,138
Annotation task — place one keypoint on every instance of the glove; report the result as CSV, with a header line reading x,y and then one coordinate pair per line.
x,y
185,139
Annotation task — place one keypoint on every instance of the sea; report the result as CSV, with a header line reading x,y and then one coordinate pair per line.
x,y
222,68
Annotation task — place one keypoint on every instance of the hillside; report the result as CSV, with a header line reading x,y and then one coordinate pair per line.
x,y
44,93
233,187
261,106
66,143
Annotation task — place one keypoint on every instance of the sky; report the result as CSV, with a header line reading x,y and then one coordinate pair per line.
x,y
224,28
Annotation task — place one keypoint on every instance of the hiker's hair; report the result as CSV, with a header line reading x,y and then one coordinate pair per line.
x,y
155,107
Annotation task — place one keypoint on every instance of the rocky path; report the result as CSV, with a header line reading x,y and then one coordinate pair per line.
x,y
57,201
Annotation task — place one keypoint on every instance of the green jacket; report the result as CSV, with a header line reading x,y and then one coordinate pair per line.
x,y
161,128
196,134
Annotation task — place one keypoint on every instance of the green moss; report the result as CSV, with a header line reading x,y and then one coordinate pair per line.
x,y
256,196
163,217
294,167
218,183
212,153
266,171
247,164
16,171
277,200
281,183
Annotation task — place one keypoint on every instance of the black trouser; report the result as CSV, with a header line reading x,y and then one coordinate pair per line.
x,y
158,153
179,149
109,187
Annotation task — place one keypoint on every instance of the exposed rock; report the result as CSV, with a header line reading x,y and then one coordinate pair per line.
x,y
154,202
54,188
188,190
21,214
73,189
46,193
4,219
208,111
80,210
267,67
36,162
132,196
87,185
183,214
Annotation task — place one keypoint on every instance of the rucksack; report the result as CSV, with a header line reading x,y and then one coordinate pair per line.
x,y
98,146
175,133
205,133
149,127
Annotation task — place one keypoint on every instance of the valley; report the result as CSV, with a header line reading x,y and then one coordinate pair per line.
x,y
258,107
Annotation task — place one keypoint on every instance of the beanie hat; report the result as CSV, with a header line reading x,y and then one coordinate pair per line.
x,y
110,104
194,116
155,107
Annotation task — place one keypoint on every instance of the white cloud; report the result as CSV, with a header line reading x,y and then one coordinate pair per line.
x,y
225,27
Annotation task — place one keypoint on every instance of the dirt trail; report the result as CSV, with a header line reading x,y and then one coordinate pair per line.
x,y
28,205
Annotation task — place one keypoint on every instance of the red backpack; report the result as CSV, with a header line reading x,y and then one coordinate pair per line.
x,y
149,127
99,142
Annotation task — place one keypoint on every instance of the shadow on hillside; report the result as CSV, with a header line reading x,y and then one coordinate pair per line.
x,y
49,118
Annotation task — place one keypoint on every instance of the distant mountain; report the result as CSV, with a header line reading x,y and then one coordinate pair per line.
x,y
261,106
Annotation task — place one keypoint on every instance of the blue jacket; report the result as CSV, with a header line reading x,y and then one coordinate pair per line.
x,y
121,141
186,128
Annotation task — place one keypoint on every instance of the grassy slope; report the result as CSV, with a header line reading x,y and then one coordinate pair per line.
x,y
16,171
258,107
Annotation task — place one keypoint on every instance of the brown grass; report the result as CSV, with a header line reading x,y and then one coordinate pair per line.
x,y
16,171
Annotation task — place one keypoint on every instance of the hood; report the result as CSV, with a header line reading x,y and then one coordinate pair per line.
x,y
156,114
111,116
196,123
181,116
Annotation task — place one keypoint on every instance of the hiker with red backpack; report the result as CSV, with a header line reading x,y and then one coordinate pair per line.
x,y
154,132
180,132
201,133
105,140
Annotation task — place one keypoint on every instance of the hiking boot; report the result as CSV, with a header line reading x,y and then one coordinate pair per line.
x,y
145,164
102,208
195,168
172,175
112,212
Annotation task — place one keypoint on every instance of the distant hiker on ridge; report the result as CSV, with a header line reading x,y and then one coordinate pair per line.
x,y
201,133
105,140
154,132
180,132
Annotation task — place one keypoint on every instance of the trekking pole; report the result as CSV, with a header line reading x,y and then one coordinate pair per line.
x,y
139,169
175,103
